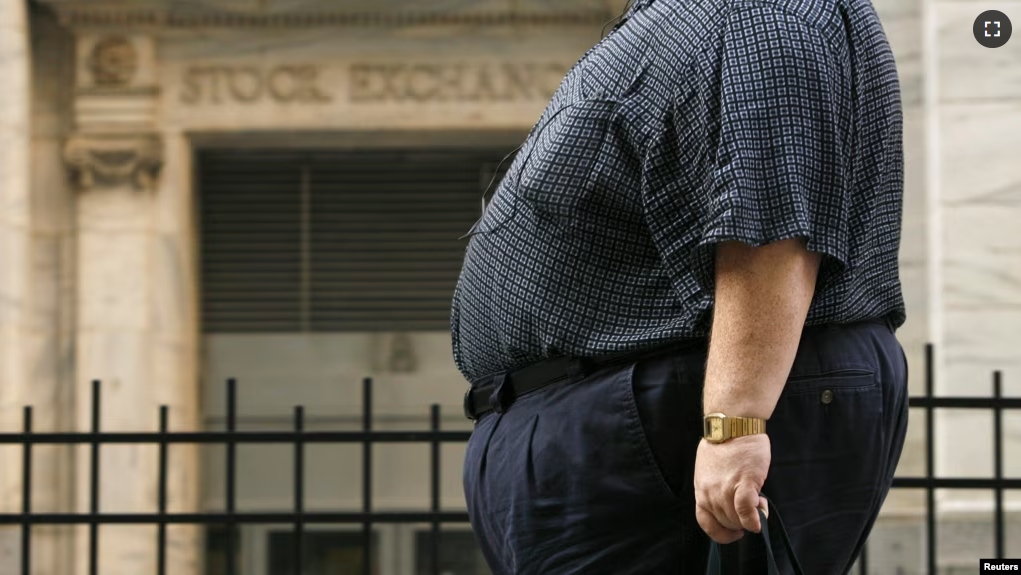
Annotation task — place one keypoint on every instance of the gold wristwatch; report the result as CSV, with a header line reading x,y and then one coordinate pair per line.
x,y
719,428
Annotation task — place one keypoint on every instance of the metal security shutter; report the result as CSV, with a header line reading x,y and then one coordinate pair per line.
x,y
336,241
251,243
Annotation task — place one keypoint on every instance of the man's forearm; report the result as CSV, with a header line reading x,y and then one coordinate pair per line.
x,y
761,301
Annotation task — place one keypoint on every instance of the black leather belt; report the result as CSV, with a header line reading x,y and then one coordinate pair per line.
x,y
509,385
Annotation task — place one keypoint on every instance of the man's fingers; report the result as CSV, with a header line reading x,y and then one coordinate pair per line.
x,y
764,506
718,510
718,533
746,502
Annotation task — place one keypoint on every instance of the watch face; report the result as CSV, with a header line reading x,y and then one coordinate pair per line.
x,y
714,428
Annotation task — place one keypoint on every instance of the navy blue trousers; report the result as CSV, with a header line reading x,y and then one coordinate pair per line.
x,y
595,476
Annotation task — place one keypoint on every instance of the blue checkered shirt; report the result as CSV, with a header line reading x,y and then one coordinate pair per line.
x,y
691,123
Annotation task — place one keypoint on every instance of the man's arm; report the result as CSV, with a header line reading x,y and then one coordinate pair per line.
x,y
761,300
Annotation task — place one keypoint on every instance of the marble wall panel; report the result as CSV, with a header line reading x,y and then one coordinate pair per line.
x,y
982,265
978,99
968,71
979,144
981,243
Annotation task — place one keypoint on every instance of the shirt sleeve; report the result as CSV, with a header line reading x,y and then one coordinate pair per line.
x,y
777,161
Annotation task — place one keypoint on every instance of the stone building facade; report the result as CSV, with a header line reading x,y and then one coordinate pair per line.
x,y
116,116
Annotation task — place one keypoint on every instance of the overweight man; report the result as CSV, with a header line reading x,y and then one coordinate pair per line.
x,y
682,298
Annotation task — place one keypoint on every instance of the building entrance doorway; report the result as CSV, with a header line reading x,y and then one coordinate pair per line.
x,y
319,268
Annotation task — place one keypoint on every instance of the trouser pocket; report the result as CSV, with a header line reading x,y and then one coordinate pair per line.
x,y
827,435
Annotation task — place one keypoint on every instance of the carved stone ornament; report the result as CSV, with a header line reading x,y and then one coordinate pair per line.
x,y
112,160
113,62
402,354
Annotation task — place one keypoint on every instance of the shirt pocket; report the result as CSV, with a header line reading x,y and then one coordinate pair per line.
x,y
573,174
572,171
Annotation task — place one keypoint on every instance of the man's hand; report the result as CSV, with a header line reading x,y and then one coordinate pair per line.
x,y
728,477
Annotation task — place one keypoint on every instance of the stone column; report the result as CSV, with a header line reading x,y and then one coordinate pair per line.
x,y
15,217
136,297
36,257
15,260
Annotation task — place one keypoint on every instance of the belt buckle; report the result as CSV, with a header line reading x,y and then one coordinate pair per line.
x,y
469,406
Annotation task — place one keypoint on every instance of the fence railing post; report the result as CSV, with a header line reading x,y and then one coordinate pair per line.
x,y
26,492
299,489
434,420
930,463
229,504
94,481
161,527
998,460
367,476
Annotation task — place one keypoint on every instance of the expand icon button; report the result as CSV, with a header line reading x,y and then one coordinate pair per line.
x,y
992,28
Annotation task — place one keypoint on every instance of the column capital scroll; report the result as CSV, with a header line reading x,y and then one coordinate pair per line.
x,y
110,160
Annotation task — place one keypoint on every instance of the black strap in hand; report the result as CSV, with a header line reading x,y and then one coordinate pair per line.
x,y
714,567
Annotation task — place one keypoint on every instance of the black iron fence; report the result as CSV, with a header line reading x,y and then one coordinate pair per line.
x,y
930,483
435,516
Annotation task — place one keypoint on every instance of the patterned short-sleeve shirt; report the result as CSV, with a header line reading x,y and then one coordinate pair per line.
x,y
693,122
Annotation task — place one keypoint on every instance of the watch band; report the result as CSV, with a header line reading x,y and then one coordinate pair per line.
x,y
719,427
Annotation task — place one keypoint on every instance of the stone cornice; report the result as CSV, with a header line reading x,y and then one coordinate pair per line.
x,y
83,16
